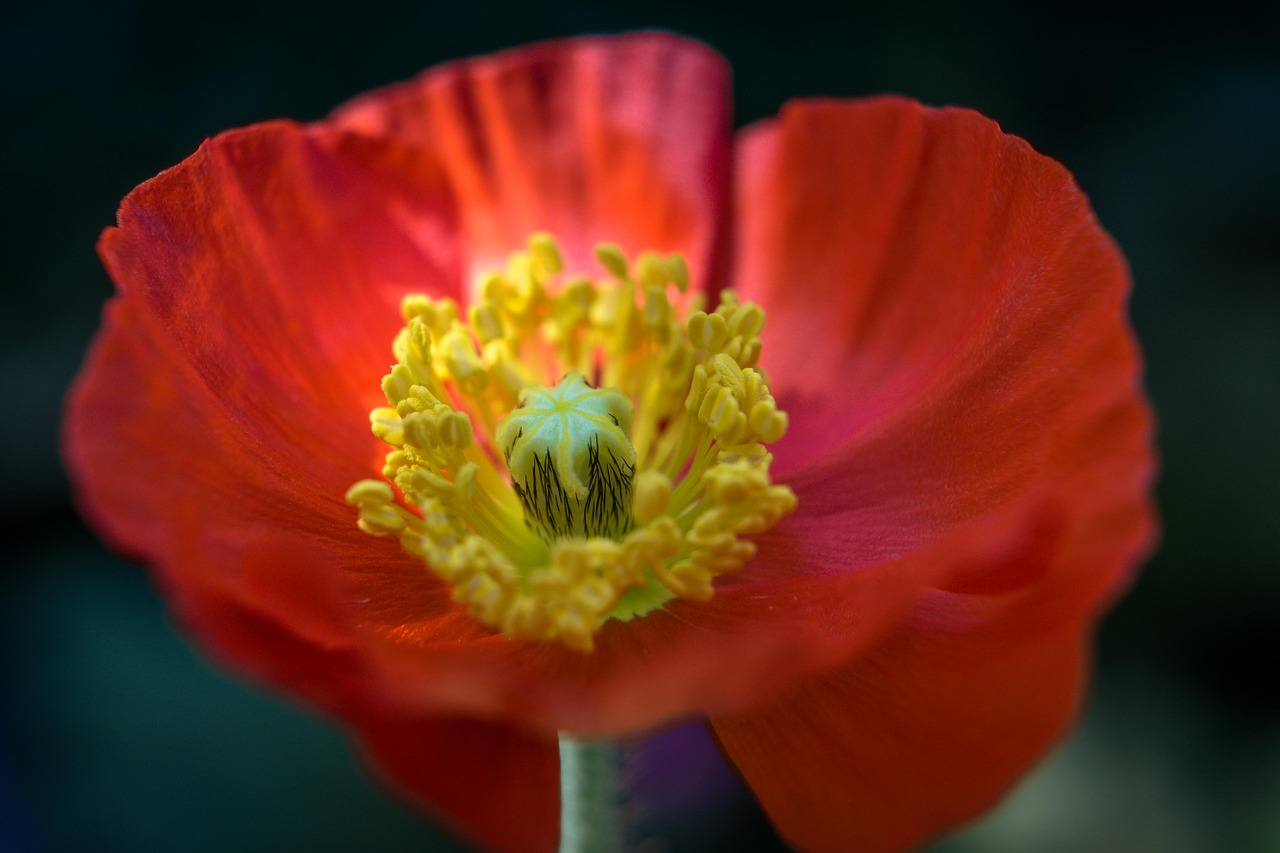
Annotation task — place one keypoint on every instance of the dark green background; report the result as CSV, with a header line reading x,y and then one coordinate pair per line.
x,y
114,735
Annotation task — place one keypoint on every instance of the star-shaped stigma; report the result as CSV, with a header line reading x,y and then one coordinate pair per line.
x,y
570,458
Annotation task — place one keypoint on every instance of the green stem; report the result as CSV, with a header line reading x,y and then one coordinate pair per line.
x,y
589,796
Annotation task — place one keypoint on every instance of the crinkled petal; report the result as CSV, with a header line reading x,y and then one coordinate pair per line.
x,y
936,269
623,138
224,403
271,263
222,412
929,727
966,346
967,365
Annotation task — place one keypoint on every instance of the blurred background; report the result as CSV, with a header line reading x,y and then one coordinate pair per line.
x,y
116,735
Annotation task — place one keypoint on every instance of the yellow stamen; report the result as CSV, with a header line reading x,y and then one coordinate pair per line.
x,y
550,506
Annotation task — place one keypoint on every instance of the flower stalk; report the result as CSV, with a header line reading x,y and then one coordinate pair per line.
x,y
590,794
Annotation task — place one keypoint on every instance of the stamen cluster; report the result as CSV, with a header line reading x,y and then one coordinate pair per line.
x,y
689,482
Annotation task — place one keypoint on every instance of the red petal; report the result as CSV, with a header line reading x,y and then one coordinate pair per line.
x,y
622,139
233,377
262,590
225,401
271,263
491,783
959,291
933,725
963,319
827,584
160,470
501,785
973,372
922,255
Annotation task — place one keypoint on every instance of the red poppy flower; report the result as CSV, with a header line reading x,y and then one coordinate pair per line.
x,y
968,447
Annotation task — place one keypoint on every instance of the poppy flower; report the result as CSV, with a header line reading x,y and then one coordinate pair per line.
x,y
829,432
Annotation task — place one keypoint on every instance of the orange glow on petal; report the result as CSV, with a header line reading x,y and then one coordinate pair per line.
x,y
965,429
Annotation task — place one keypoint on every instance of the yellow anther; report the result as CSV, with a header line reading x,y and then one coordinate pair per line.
x,y
519,270
707,331
370,491
657,310
490,287
438,314
546,253
412,349
462,361
507,374
678,271
396,460
573,536
421,430
650,495
767,422
378,515
651,270
570,310
428,484
729,301
665,392
578,296
746,321
455,430
722,415
486,321
727,372
677,366
485,596
416,399
744,351
414,305
654,542
606,308
523,287
732,484
420,337
612,259
690,580
697,390
397,384
629,333
380,520
387,425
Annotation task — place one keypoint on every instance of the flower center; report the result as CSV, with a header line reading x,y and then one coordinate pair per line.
x,y
570,459
614,499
